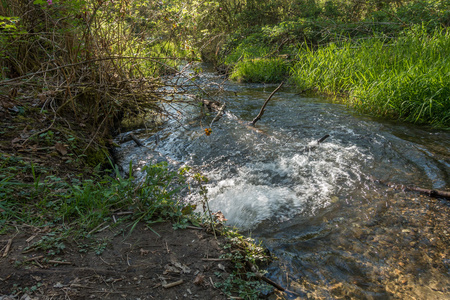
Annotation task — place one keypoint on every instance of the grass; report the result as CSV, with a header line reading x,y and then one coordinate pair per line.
x,y
267,70
84,204
407,78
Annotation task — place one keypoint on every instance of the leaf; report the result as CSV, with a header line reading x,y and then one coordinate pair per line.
x,y
61,148
199,279
16,140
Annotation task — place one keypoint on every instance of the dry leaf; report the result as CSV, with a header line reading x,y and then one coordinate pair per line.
x,y
16,140
183,268
61,148
220,217
222,267
199,279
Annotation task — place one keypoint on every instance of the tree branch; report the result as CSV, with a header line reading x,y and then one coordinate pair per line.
x,y
261,112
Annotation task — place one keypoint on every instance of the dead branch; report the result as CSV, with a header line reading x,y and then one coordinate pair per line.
x,y
323,138
219,114
261,112
429,192
60,262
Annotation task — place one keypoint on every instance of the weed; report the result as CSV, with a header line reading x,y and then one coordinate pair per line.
x,y
246,257
52,243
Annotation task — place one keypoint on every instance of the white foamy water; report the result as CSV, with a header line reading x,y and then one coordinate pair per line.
x,y
288,186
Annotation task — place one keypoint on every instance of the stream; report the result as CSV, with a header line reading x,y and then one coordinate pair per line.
x,y
336,232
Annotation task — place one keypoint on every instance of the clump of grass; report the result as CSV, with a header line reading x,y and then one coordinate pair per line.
x,y
267,70
407,78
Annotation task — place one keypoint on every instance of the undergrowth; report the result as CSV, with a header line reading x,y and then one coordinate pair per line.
x,y
247,257
82,204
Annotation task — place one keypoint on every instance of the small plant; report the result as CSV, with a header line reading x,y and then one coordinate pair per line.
x,y
100,246
200,179
265,70
52,243
246,257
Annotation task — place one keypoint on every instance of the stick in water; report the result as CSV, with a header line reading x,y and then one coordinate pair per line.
x,y
261,112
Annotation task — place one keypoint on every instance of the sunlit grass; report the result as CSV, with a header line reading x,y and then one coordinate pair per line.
x,y
408,78
260,70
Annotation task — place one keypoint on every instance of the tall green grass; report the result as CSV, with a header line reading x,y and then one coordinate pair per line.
x,y
406,78
267,70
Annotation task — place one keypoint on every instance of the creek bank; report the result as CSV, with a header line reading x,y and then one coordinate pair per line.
x,y
115,264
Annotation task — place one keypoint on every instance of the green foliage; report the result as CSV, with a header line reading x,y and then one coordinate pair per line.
x,y
84,204
243,252
267,70
52,243
407,78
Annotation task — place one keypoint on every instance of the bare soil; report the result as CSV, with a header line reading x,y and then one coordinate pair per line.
x,y
140,265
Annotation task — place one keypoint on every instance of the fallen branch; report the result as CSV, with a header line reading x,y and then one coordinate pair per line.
x,y
429,192
261,112
271,282
215,259
58,262
219,114
194,227
33,258
323,138
260,276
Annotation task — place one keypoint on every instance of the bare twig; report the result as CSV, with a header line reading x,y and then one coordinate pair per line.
x,y
215,259
136,140
58,262
261,112
169,285
33,258
323,138
219,113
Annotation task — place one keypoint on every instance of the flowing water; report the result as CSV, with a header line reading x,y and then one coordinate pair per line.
x,y
337,232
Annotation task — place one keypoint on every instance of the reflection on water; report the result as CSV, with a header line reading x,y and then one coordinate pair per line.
x,y
337,233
